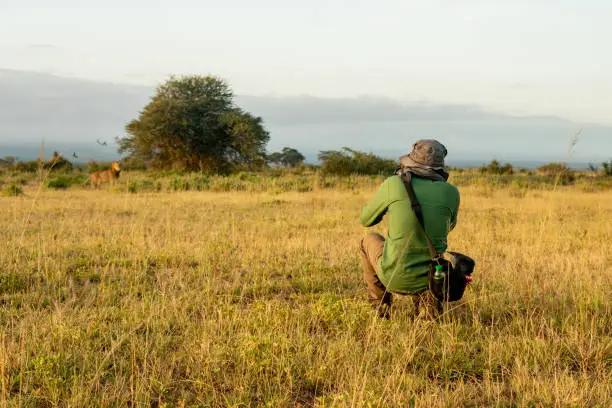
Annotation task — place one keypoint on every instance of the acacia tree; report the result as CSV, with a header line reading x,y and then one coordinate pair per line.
x,y
348,161
288,157
192,123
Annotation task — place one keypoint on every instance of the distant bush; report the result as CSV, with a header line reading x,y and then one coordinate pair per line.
x,y
607,168
7,162
57,162
559,172
58,183
348,161
65,181
12,190
495,167
288,157
27,167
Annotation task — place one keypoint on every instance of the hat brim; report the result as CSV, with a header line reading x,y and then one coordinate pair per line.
x,y
407,161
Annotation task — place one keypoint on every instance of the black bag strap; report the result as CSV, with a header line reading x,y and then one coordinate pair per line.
x,y
418,211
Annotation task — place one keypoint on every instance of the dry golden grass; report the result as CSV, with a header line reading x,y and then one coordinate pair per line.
x,y
256,299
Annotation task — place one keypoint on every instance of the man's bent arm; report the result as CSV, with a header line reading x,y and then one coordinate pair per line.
x,y
372,213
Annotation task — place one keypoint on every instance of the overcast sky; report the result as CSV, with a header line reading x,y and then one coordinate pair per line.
x,y
516,56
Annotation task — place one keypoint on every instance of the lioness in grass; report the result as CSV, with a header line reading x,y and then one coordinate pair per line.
x,y
105,176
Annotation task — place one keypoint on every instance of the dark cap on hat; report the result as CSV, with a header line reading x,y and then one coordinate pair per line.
x,y
428,153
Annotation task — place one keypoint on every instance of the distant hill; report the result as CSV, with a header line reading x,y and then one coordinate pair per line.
x,y
71,114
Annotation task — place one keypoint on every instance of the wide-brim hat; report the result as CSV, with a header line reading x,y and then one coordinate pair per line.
x,y
425,153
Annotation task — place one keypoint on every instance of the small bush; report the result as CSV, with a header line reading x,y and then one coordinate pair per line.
x,y
558,172
28,167
8,162
495,167
64,181
288,157
57,163
607,168
12,190
58,183
349,161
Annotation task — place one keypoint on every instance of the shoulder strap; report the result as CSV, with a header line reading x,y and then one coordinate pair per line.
x,y
418,211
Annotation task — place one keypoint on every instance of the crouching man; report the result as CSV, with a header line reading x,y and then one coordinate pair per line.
x,y
401,262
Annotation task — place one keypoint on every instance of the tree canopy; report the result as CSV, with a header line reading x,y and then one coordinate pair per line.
x,y
348,161
288,157
192,123
558,171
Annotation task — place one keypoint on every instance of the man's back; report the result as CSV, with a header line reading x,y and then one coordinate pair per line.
x,y
405,261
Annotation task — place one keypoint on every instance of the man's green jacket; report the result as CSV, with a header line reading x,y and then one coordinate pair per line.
x,y
404,265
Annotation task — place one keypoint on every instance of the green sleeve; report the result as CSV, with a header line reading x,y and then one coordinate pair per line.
x,y
455,211
372,213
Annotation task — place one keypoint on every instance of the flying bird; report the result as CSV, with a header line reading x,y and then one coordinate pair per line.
x,y
101,142
75,155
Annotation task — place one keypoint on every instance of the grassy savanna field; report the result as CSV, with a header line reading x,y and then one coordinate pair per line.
x,y
255,298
